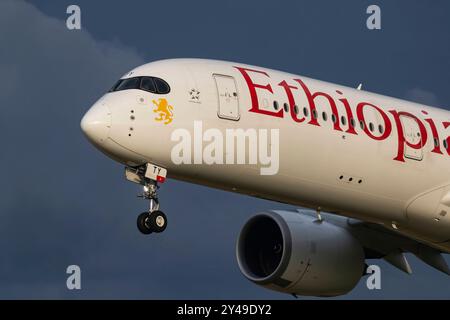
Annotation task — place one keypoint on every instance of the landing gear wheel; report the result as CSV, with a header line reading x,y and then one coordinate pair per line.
x,y
157,221
143,223
149,175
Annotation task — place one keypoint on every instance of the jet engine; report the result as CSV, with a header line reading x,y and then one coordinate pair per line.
x,y
299,254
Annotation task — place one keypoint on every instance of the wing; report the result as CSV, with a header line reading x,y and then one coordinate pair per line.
x,y
380,242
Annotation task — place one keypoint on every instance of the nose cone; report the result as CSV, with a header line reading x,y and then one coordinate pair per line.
x,y
96,123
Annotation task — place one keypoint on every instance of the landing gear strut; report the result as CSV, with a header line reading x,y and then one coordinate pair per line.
x,y
149,175
152,220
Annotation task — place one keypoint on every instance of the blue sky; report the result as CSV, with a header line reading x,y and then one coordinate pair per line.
x,y
65,203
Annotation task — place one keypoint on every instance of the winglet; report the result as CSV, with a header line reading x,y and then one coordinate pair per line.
x,y
359,87
433,258
398,260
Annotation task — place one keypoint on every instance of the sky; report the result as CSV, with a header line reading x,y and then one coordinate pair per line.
x,y
65,203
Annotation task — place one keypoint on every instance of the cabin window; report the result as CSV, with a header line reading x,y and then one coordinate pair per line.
x,y
436,142
380,129
445,144
275,105
343,120
286,107
361,124
333,118
305,112
371,127
314,113
352,122
324,116
296,109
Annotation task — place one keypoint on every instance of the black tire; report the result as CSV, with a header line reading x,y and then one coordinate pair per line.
x,y
157,221
143,223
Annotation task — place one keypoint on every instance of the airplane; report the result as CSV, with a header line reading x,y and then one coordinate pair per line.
x,y
369,173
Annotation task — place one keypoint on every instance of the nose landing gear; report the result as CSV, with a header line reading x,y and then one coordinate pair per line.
x,y
152,220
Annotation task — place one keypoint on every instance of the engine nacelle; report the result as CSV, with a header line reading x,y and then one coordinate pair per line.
x,y
294,253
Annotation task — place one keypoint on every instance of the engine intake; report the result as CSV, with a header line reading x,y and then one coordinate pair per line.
x,y
294,253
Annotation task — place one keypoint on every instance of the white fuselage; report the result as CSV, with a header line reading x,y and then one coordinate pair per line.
x,y
352,152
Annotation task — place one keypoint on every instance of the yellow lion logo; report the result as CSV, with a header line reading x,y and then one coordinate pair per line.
x,y
164,110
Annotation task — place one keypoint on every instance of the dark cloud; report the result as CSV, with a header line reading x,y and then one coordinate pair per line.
x,y
65,203
422,96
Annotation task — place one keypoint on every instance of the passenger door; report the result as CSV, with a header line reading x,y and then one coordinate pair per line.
x,y
227,97
411,131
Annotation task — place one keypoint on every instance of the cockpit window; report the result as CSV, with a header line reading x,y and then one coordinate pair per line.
x,y
125,84
162,86
150,84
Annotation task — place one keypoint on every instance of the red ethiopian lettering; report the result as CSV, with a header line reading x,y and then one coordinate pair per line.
x,y
312,105
254,96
